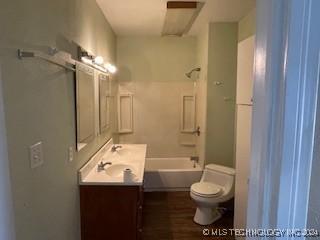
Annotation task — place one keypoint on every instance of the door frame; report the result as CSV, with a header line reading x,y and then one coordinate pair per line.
x,y
286,83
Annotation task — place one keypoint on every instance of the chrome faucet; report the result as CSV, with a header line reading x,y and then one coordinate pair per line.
x,y
114,148
195,160
101,165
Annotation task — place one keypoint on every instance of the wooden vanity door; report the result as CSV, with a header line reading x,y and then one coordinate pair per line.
x,y
139,214
109,212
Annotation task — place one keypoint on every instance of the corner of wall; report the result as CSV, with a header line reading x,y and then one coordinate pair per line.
x,y
247,25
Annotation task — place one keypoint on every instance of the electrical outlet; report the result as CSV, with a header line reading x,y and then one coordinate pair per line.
x,y
70,154
36,155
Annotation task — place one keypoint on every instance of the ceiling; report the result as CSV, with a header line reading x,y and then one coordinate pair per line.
x,y
146,17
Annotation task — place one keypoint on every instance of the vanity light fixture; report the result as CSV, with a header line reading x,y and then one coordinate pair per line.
x,y
86,60
98,60
101,68
110,68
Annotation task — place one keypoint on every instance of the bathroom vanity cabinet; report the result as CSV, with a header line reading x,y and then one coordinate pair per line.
x,y
111,212
110,204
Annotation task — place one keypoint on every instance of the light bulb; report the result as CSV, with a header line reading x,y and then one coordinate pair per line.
x,y
111,68
98,60
86,60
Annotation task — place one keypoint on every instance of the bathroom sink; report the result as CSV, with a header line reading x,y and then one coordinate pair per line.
x,y
129,156
116,170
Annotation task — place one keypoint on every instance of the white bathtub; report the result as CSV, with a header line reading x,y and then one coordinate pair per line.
x,y
170,174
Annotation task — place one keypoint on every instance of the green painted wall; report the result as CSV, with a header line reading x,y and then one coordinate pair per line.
x,y
222,67
201,91
40,106
247,25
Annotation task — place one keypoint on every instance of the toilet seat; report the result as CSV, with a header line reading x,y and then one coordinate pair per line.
x,y
206,189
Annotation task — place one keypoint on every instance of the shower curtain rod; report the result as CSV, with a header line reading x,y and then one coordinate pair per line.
x,y
54,60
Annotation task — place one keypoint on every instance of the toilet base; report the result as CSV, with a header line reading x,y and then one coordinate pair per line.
x,y
206,216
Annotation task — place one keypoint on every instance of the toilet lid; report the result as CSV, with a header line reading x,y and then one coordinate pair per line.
x,y
206,189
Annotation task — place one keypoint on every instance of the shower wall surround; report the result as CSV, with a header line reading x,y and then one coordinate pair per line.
x,y
153,70
39,104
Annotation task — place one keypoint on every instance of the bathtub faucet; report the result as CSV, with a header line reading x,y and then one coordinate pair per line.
x,y
114,148
195,160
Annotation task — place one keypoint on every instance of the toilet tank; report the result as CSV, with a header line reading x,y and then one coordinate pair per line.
x,y
220,175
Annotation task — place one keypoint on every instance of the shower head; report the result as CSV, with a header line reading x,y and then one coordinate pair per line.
x,y
189,74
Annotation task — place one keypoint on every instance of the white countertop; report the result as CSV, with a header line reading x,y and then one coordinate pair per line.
x,y
130,156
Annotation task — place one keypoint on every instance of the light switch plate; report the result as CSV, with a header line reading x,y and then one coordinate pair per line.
x,y
36,155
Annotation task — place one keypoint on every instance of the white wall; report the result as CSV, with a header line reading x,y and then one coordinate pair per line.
x,y
153,69
6,207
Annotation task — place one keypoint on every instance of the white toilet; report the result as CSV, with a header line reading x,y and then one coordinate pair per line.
x,y
216,186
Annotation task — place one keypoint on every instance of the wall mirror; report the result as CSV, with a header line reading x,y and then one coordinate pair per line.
x,y
85,102
95,110
104,103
